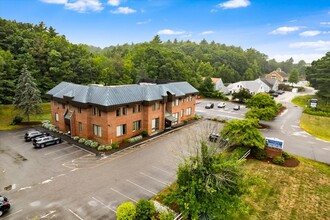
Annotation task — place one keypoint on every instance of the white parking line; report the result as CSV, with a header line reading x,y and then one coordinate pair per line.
x,y
154,179
123,195
57,150
12,214
142,187
56,158
104,204
165,171
75,214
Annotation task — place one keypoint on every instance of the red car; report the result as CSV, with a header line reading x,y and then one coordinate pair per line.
x,y
4,205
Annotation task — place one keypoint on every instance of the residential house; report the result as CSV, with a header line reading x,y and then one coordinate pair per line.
x,y
253,86
218,85
110,114
278,74
269,84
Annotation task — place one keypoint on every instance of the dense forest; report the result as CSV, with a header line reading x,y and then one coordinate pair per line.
x,y
51,58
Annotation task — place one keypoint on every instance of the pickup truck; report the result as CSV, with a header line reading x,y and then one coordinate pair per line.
x,y
45,141
30,135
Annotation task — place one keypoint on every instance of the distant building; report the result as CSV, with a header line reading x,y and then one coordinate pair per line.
x,y
218,85
110,114
253,86
269,84
278,74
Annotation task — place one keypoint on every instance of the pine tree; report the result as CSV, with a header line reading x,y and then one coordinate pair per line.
x,y
27,96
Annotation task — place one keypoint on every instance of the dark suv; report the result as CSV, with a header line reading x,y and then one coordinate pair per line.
x,y
209,105
4,205
30,135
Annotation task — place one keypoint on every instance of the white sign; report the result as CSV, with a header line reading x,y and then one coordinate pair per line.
x,y
275,143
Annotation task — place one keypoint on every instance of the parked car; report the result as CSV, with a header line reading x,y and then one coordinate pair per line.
x,y
221,105
4,205
209,105
274,94
280,92
216,138
31,134
46,141
237,107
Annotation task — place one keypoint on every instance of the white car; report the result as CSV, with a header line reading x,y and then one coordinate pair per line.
x,y
221,105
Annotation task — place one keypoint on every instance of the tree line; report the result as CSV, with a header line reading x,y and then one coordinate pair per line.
x,y
51,59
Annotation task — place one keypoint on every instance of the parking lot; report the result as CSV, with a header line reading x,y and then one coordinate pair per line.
x,y
227,112
65,182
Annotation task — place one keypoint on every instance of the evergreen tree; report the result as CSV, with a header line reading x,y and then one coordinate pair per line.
x,y
27,96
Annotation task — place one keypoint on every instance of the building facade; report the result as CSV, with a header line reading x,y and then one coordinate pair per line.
x,y
278,74
109,114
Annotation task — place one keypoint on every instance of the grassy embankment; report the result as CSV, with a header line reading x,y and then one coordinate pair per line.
x,y
302,192
278,192
8,112
318,126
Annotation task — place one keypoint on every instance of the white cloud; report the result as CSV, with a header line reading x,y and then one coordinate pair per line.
x,y
308,58
114,2
123,10
170,32
55,1
325,23
310,33
285,30
84,5
78,5
143,22
213,10
317,45
207,32
234,4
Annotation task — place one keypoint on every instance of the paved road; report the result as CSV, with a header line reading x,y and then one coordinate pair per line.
x,y
285,127
60,184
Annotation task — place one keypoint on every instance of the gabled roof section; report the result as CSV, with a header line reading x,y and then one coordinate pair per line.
x,y
269,81
119,95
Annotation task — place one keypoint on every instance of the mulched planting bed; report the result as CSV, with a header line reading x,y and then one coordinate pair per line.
x,y
291,162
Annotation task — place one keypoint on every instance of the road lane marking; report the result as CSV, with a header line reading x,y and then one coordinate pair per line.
x,y
142,187
75,214
43,148
123,195
165,171
154,179
103,204
57,150
12,214
56,158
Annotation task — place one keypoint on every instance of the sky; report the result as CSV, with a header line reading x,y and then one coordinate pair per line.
x,y
278,28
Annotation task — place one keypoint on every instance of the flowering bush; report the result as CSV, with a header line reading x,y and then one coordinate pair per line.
x,y
76,138
108,147
94,144
88,142
82,140
101,148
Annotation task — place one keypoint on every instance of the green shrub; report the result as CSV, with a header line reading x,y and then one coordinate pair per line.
x,y
145,209
278,160
17,120
316,111
76,138
144,133
94,144
101,148
258,153
196,117
82,140
134,139
88,142
115,145
126,211
166,216
108,147
285,155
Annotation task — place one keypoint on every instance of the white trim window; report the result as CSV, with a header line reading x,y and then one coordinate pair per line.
x,y
121,130
97,130
182,113
155,124
57,117
188,111
136,125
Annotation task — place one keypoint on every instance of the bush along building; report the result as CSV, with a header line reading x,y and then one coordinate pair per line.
x,y
109,114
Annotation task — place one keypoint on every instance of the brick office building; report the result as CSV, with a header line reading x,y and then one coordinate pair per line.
x,y
110,114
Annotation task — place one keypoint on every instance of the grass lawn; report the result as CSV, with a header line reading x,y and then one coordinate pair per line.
x,y
302,192
318,126
8,112
303,101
